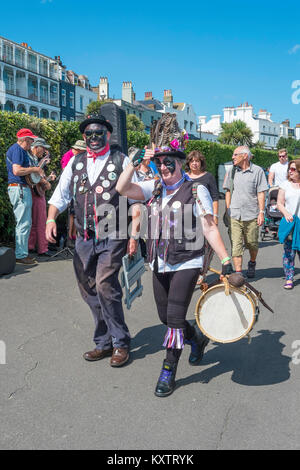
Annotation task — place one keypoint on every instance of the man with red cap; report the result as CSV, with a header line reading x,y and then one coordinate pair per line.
x,y
18,166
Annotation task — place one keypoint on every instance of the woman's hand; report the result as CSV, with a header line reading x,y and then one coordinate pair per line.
x,y
132,246
288,217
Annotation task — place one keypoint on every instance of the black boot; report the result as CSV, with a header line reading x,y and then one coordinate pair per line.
x,y
166,382
198,343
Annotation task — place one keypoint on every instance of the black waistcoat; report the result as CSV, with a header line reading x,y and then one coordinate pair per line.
x,y
98,205
174,233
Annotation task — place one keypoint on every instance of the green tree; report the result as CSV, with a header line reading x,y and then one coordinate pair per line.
x,y
137,139
235,133
95,106
134,123
292,145
259,145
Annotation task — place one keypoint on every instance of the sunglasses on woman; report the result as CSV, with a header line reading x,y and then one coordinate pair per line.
x,y
166,161
293,169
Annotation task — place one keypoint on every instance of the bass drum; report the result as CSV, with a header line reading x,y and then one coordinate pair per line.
x,y
7,260
226,317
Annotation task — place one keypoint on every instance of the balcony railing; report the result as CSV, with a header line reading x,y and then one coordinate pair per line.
x,y
33,96
8,59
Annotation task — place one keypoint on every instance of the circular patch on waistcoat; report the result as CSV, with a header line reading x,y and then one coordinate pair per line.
x,y
112,176
99,189
176,205
79,166
106,196
111,167
106,184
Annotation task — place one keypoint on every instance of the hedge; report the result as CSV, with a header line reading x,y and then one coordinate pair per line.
x,y
216,154
61,135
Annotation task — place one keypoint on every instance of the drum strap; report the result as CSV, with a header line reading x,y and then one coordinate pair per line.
x,y
258,294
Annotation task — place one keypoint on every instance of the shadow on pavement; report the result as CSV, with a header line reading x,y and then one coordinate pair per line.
x,y
271,273
147,341
19,269
259,363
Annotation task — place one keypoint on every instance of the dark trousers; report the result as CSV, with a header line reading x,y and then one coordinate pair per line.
x,y
97,267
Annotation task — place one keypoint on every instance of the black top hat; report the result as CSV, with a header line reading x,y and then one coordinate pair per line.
x,y
171,153
95,119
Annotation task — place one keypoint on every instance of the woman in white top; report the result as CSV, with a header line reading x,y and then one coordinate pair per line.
x,y
175,264
288,204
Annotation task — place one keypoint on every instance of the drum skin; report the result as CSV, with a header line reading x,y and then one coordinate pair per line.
x,y
226,318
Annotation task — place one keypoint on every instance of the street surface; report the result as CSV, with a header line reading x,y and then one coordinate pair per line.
x,y
242,396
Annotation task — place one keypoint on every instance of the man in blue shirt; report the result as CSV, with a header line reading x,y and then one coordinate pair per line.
x,y
18,166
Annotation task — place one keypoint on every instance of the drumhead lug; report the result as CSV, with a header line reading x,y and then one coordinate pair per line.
x,y
249,338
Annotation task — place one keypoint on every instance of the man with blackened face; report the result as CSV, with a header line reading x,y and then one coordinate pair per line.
x,y
96,137
91,181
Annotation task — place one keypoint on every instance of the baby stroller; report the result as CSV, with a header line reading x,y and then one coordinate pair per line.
x,y
272,215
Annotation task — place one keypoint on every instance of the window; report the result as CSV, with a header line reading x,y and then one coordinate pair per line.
x,y
72,99
81,103
63,98
7,53
63,118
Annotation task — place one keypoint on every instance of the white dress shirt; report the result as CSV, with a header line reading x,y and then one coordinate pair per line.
x,y
62,196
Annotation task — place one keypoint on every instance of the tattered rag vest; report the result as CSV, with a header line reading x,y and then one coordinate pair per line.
x,y
97,206
174,233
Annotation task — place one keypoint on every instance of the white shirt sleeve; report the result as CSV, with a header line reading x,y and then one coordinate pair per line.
x,y
206,206
61,197
272,168
147,188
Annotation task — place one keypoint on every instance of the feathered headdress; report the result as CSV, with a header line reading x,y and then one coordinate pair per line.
x,y
167,138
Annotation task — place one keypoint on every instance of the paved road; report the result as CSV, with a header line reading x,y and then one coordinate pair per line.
x,y
242,396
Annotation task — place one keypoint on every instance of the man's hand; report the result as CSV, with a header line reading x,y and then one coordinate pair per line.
x,y
260,219
51,232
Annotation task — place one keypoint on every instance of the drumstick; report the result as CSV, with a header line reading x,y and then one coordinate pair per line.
x,y
235,279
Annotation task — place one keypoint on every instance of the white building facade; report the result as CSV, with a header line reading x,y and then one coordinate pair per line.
x,y
84,94
263,128
29,81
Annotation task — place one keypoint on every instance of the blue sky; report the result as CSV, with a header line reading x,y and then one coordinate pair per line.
x,y
211,54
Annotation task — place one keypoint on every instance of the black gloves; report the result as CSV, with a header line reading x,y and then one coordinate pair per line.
x,y
227,269
138,157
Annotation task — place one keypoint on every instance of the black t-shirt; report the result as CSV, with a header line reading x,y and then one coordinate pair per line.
x,y
208,180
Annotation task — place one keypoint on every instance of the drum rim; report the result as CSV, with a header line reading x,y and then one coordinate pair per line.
x,y
245,292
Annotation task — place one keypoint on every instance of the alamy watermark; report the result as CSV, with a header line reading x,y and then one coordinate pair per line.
x,y
2,353
175,221
296,93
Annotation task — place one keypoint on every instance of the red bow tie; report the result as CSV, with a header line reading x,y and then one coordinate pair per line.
x,y
94,155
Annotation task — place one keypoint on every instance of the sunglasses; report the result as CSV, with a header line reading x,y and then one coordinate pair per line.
x,y
166,161
293,169
98,133
282,156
